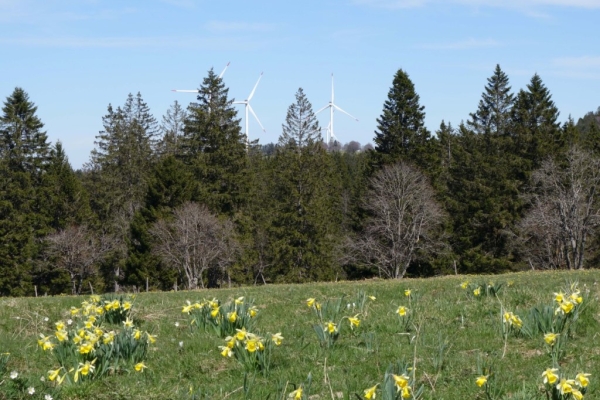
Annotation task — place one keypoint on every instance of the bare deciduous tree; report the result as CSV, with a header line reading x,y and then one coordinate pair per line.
x,y
564,212
194,242
405,221
77,251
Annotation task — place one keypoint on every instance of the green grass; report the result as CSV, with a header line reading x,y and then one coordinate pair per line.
x,y
450,334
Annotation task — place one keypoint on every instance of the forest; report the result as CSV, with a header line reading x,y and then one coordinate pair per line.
x,y
188,202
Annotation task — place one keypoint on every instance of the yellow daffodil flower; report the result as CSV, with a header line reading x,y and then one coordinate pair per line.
x,y
477,292
296,394
95,298
74,311
331,327
482,380
550,338
559,297
406,392
370,392
401,381
151,338
126,306
139,367
354,321
61,335
582,379
186,309
550,376
241,334
239,300
318,306
128,323
577,395
45,343
407,292
226,351
252,311
464,285
232,316
84,369
108,337
53,374
137,334
277,338
86,348
567,307
214,312
230,341
251,345
310,302
402,311
60,326
565,386
516,321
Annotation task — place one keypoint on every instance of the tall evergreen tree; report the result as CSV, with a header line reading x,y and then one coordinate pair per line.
x,y
301,127
172,127
214,147
401,132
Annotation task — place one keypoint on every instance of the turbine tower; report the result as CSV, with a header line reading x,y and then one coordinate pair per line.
x,y
329,133
197,90
247,107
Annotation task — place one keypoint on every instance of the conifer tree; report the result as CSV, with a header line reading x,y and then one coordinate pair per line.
x,y
401,132
172,127
301,127
214,147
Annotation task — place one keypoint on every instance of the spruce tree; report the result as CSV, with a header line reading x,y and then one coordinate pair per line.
x,y
172,128
301,127
401,132
214,147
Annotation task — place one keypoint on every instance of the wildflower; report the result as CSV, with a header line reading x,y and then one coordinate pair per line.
x,y
296,394
47,397
226,351
370,392
60,326
187,309
406,392
108,337
85,348
277,338
577,395
559,297
566,307
354,321
61,335
230,341
31,390
95,298
550,338
139,367
477,292
401,381
151,338
373,298
75,311
176,324
84,369
215,312
137,334
407,292
181,343
318,306
241,334
252,311
232,316
128,323
252,345
14,375
53,374
516,321
45,343
464,285
482,380
550,376
331,327
69,322
565,386
239,300
126,306
310,302
402,311
582,379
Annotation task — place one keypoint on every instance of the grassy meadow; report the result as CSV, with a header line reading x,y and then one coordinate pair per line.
x,y
448,339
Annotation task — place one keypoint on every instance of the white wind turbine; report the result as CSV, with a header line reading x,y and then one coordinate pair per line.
x,y
196,90
247,107
329,133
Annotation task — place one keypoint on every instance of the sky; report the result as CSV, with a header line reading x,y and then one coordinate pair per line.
x,y
74,58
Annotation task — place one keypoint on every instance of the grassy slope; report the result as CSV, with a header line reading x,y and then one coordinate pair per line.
x,y
442,311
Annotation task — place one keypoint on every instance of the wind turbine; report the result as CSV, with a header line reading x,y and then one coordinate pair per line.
x,y
247,107
329,133
197,90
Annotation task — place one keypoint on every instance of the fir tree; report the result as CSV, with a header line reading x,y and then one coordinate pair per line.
x,y
301,127
172,127
401,132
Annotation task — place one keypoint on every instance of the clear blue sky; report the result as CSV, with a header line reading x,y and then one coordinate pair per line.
x,y
76,57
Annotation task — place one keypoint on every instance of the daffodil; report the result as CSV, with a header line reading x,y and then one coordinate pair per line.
x,y
370,392
464,285
187,308
230,341
577,395
252,345
137,334
45,343
310,302
74,311
559,297
318,306
128,323
241,334
126,305
565,386
60,326
86,348
516,321
372,298
482,380
252,311
239,300
61,335
296,394
232,316
214,312
550,338
401,381
406,392
477,292
53,374
354,321
407,292
151,338
108,337
331,327
226,351
402,311
84,369
567,307
550,376
582,379
277,338
139,367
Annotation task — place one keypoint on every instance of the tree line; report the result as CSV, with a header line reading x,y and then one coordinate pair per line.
x,y
188,202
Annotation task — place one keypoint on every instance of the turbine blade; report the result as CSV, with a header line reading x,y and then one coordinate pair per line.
x,y
185,91
240,102
351,116
257,120
321,109
224,69
253,90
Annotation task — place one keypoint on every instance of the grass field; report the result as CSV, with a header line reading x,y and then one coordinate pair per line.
x,y
449,335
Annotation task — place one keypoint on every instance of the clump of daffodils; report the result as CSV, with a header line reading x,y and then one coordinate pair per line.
x,y
398,383
559,387
254,352
569,301
224,319
511,322
98,338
